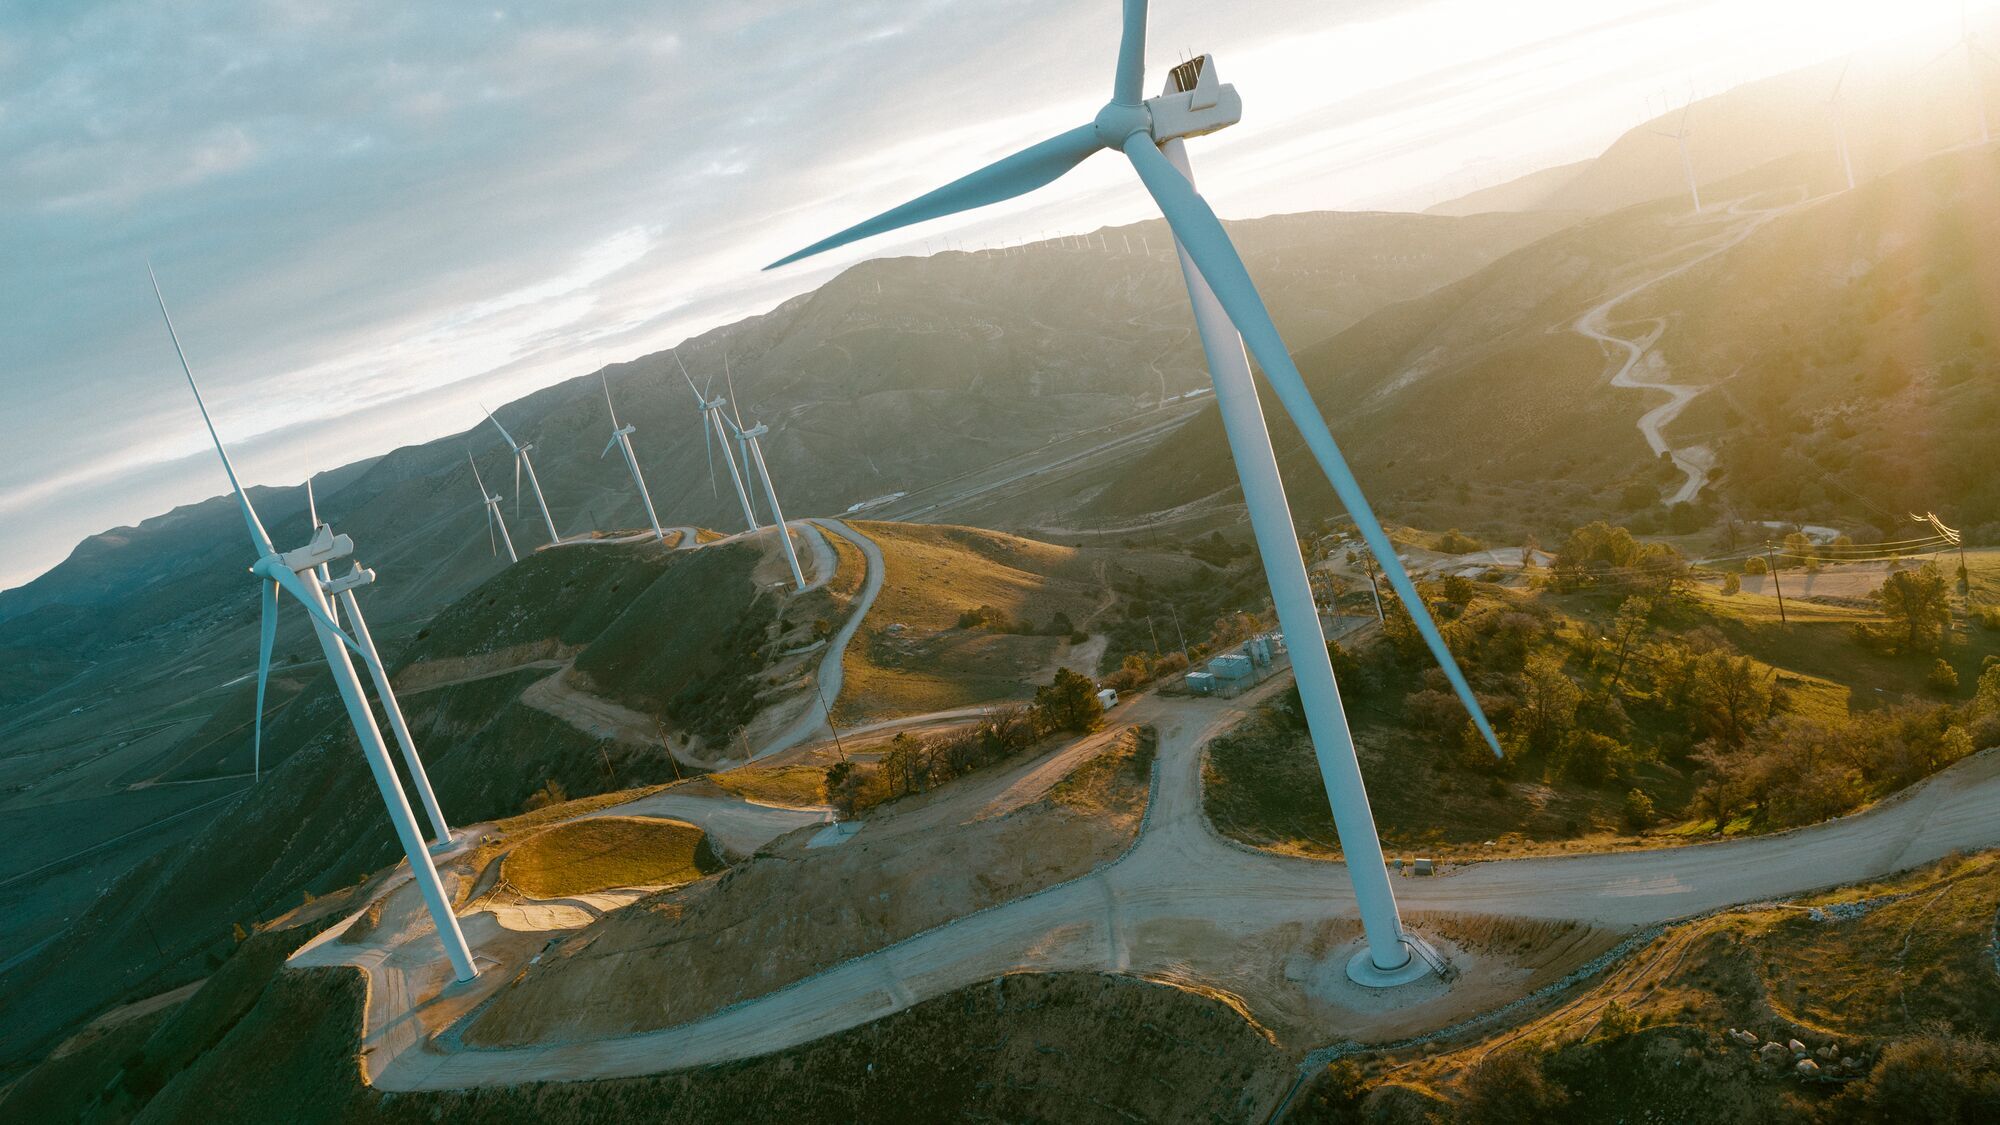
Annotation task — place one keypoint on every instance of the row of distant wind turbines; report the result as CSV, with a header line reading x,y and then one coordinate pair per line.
x,y
717,426
1231,317
1975,55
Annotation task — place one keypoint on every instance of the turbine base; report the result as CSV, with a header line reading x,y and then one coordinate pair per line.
x,y
1361,967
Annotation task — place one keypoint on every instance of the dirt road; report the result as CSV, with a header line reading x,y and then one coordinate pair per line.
x,y
1185,904
811,723
1646,369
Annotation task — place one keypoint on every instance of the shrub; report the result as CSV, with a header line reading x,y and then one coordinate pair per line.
x,y
1456,542
1755,565
1638,811
1943,678
1731,585
551,793
1935,1077
1069,703
1510,1087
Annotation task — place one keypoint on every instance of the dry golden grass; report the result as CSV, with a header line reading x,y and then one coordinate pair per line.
x,y
608,851
796,783
934,573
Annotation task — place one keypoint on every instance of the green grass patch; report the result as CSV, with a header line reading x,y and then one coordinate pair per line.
x,y
609,851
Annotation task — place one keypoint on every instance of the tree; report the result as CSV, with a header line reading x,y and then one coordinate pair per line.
x,y
1069,703
1943,678
1918,603
843,788
1549,699
903,765
1731,696
1635,616
1731,585
1755,565
1799,548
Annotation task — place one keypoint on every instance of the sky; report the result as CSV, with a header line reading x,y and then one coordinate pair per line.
x,y
370,216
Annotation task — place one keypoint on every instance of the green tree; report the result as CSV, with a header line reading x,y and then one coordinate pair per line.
x,y
1069,703
1918,603
1730,695
1549,699
1635,616
1943,678
1638,811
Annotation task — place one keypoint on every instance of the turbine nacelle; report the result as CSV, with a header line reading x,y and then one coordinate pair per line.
x,y
353,579
1196,103
324,548
756,431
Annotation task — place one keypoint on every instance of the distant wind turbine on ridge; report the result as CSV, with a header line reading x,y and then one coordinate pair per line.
x,y
297,573
493,520
521,462
1968,41
754,455
712,433
621,439
1680,137
1230,315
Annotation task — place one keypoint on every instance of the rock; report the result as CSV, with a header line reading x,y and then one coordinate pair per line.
x,y
1795,1047
1808,1068
1828,1052
1746,1038
1849,1064
1772,1053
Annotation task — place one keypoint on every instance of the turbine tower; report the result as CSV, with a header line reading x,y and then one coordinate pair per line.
x,y
1680,136
340,594
1230,316
1833,105
621,438
712,432
297,574
493,520
1968,41
754,455
521,461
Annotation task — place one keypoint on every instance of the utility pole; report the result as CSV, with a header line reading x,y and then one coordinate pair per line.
x,y
663,746
1156,636
1772,561
1375,588
828,712
1182,632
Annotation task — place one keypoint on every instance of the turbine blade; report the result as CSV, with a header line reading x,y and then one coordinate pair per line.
x,y
475,476
1208,245
312,508
728,375
708,446
492,543
1838,82
684,373
609,446
503,430
1127,85
258,537
273,570
1006,178
517,487
268,622
607,400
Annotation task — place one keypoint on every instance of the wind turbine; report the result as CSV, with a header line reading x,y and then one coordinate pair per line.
x,y
521,462
493,520
1969,41
754,455
1833,104
1230,316
621,438
1680,136
712,432
297,574
340,593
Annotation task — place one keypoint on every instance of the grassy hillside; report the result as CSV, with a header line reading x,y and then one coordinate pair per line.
x,y
316,824
1897,977
608,851
1719,716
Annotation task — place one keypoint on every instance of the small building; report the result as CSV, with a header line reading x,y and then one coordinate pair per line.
x,y
1107,698
1231,669
1201,683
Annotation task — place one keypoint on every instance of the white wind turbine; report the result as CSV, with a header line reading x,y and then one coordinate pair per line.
x,y
754,456
1680,136
340,593
1231,315
713,432
1968,41
297,574
521,462
1833,105
493,520
621,439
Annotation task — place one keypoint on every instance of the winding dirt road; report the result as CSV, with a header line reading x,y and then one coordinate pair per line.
x,y
811,723
1646,369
